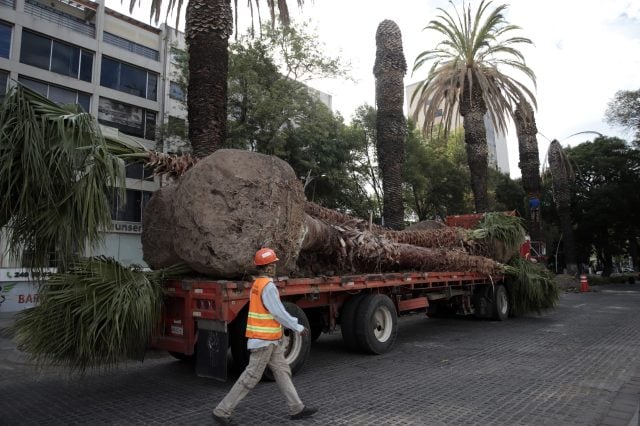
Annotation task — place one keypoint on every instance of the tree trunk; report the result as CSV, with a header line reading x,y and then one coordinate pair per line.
x,y
389,70
472,109
561,175
529,161
209,25
633,252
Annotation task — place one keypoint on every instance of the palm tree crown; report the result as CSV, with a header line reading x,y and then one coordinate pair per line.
x,y
474,48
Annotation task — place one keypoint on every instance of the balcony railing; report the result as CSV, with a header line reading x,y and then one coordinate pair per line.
x,y
8,3
131,46
52,15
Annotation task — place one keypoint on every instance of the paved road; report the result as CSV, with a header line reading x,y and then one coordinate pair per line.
x,y
577,365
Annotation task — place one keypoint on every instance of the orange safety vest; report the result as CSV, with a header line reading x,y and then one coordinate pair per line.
x,y
260,323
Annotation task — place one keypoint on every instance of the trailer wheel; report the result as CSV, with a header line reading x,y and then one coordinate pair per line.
x,y
348,321
296,346
500,303
376,324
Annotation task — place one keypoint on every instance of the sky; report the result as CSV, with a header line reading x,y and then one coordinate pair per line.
x,y
583,52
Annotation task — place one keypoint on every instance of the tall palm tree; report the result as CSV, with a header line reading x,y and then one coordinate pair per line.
x,y
561,175
529,164
208,26
391,126
466,79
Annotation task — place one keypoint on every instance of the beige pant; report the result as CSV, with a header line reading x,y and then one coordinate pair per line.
x,y
273,356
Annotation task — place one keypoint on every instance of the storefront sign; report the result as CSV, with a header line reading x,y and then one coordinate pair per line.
x,y
126,227
19,288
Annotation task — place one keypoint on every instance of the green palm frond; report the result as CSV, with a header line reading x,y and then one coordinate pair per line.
x,y
95,314
475,48
499,227
532,288
56,176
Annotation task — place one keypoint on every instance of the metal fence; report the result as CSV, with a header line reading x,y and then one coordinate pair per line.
x,y
44,12
131,46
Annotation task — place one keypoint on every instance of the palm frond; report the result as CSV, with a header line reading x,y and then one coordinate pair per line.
x,y
96,314
56,175
531,287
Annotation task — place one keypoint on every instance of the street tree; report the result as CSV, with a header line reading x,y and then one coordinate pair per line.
x,y
466,79
624,111
208,26
606,202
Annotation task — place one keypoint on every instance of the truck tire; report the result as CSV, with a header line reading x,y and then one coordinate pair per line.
x,y
500,303
348,321
376,324
296,346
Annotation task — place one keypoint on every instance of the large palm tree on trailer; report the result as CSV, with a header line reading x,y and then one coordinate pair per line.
x,y
466,79
391,125
208,26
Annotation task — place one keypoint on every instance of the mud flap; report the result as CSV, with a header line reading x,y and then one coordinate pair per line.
x,y
213,342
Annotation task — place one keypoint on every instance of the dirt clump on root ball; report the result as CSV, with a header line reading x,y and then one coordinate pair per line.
x,y
157,229
232,203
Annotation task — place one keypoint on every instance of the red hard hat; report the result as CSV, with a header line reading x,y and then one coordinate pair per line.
x,y
265,256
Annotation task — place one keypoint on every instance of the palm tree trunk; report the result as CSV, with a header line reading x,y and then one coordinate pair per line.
x,y
561,175
529,159
389,70
472,109
209,25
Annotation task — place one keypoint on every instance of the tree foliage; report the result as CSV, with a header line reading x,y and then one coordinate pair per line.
x,y
606,202
624,110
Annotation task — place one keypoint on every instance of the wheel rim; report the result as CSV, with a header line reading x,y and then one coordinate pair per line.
x,y
292,345
382,324
503,303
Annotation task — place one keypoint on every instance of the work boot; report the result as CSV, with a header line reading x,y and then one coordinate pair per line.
x,y
306,412
225,421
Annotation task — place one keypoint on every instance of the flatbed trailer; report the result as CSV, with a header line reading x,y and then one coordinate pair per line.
x,y
202,318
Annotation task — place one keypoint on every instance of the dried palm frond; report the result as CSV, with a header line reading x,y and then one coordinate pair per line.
x,y
96,314
532,288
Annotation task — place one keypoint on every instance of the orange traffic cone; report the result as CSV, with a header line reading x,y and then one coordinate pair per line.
x,y
584,284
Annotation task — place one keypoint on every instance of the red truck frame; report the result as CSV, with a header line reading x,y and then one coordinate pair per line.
x,y
202,319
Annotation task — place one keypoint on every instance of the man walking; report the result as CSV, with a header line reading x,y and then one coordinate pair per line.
x,y
266,318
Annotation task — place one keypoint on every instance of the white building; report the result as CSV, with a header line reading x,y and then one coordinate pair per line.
x,y
496,140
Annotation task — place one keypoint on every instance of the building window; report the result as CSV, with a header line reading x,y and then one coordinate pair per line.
x,y
4,78
59,95
175,91
130,208
55,56
128,78
138,171
177,56
5,40
129,119
177,127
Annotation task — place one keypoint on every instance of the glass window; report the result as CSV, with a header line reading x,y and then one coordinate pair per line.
x,y
65,59
130,209
175,91
5,40
138,171
86,66
110,72
129,119
35,50
60,95
84,100
4,78
37,86
150,125
128,78
152,86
